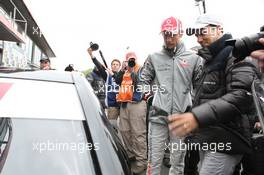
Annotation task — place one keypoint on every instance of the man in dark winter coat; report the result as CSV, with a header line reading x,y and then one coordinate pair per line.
x,y
216,124
98,85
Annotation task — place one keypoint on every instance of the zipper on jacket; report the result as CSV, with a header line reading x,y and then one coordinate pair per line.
x,y
173,58
199,89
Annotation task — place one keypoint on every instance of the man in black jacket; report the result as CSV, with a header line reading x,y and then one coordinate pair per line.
x,y
216,124
98,85
109,97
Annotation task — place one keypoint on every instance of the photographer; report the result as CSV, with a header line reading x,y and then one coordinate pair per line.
x,y
69,68
132,113
112,89
253,163
98,85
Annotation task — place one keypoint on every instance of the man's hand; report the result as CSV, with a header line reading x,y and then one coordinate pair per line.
x,y
124,65
257,125
259,55
182,124
147,95
109,71
90,52
46,68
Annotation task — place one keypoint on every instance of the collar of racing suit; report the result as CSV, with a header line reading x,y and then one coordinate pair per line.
x,y
180,48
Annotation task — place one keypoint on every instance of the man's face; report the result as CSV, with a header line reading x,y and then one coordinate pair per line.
x,y
208,35
171,39
115,66
45,65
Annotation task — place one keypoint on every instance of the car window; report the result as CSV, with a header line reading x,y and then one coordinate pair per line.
x,y
118,154
41,146
5,139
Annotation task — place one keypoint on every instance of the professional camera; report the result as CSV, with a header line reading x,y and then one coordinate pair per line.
x,y
69,68
94,46
131,62
244,46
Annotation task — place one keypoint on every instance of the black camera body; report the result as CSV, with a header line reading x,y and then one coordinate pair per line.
x,y
69,68
131,62
94,46
244,46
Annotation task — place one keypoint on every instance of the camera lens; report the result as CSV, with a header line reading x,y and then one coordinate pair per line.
x,y
94,46
240,49
131,63
244,46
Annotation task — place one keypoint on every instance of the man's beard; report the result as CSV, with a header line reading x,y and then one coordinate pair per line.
x,y
171,51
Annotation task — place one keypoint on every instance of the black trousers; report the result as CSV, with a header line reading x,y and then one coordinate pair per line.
x,y
191,161
253,164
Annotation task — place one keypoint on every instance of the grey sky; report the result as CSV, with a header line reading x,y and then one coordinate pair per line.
x,y
69,26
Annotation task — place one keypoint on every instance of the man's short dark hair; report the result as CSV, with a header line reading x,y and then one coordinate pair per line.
x,y
116,61
69,68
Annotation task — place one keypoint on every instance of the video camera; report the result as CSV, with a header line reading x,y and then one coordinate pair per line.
x,y
244,46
